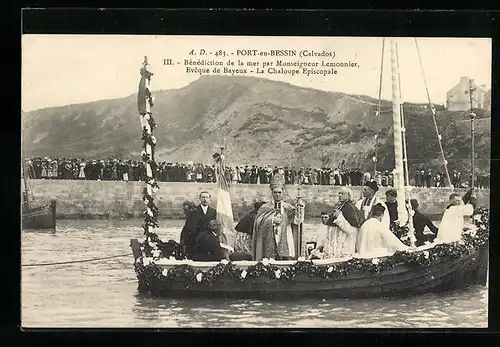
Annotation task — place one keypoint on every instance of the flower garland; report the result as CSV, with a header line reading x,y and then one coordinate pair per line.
x,y
152,245
402,232
267,271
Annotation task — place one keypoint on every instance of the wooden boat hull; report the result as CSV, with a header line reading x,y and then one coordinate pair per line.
x,y
39,218
400,281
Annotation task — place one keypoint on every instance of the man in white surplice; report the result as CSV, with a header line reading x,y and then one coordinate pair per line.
x,y
452,223
321,235
369,200
374,238
343,227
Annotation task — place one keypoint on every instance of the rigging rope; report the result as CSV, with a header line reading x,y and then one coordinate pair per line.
x,y
433,116
378,109
79,261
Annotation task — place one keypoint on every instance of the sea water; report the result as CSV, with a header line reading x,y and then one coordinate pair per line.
x,y
104,293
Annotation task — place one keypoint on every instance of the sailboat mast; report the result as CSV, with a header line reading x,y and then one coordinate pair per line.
x,y
23,171
399,183
405,153
26,188
378,108
145,102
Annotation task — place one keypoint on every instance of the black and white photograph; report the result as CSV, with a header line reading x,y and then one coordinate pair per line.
x,y
209,181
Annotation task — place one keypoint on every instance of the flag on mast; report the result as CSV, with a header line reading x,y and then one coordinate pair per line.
x,y
224,208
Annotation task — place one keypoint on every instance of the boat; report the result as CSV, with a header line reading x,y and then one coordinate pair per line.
x,y
436,267
37,216
399,275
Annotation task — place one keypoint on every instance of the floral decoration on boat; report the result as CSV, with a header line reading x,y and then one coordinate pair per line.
x,y
152,274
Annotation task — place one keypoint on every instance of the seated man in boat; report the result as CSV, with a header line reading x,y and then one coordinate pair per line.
x,y
421,221
321,235
343,227
244,230
275,231
452,223
197,221
391,205
375,238
207,243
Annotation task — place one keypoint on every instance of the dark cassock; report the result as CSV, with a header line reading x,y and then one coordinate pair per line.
x,y
276,226
392,208
187,208
196,222
207,244
421,221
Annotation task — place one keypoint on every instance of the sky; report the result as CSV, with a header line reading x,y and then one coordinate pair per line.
x,y
58,70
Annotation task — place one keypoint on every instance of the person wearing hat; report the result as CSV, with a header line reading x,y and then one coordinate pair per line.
x,y
365,205
421,221
275,230
375,238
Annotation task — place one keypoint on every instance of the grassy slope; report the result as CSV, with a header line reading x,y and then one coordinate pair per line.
x,y
262,121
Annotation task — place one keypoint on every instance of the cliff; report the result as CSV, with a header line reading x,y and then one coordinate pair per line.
x,y
263,121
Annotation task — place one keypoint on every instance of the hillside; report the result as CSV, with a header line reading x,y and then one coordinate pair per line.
x,y
262,121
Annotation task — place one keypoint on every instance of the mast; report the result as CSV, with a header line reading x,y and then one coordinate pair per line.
x,y
26,188
405,153
472,115
399,183
23,172
377,114
299,221
145,101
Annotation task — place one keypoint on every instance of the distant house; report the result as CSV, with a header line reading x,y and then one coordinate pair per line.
x,y
457,98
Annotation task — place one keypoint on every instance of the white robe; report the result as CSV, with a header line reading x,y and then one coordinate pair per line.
x,y
386,220
341,241
452,223
289,234
374,238
321,235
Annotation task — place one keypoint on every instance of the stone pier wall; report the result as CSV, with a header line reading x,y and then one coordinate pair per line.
x,y
110,199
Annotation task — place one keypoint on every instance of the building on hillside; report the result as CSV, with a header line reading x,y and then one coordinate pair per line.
x,y
457,98
487,100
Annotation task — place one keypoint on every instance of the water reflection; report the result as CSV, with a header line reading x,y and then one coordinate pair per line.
x,y
104,294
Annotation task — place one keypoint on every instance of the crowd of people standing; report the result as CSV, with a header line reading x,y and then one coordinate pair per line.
x,y
133,170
